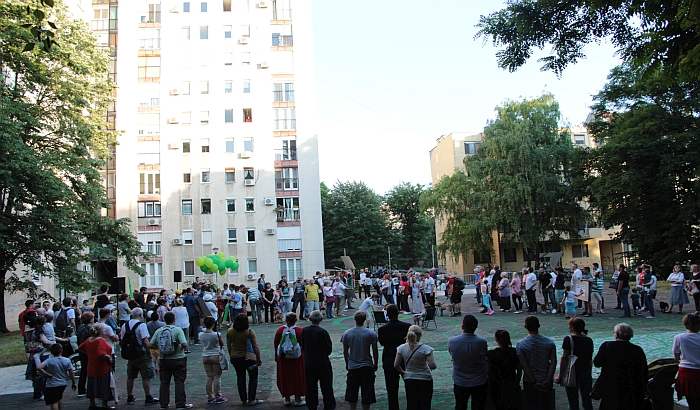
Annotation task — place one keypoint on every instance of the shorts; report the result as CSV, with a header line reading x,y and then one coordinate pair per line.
x,y
53,394
361,378
456,297
143,365
570,307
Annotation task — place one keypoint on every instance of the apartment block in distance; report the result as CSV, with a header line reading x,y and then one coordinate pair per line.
x,y
216,106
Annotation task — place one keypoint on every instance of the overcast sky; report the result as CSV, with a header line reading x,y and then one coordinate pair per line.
x,y
392,76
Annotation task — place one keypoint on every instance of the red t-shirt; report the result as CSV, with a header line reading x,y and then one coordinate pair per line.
x,y
97,365
406,287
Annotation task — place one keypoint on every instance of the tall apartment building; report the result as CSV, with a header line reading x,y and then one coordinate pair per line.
x,y
216,106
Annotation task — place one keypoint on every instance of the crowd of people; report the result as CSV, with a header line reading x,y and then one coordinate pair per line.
x,y
155,332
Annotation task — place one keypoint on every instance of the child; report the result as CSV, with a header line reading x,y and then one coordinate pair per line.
x,y
418,318
635,302
569,301
367,306
486,296
56,369
85,308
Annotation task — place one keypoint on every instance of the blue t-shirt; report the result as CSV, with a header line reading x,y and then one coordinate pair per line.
x,y
190,303
359,340
469,366
58,367
536,349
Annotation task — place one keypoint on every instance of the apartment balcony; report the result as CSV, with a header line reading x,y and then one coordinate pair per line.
x,y
283,96
284,124
288,215
286,184
148,158
281,14
288,245
149,44
285,154
282,41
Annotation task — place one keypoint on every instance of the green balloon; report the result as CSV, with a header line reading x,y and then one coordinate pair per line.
x,y
229,264
199,261
222,272
235,266
208,262
222,266
204,268
221,255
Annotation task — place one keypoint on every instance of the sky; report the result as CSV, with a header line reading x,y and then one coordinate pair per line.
x,y
393,76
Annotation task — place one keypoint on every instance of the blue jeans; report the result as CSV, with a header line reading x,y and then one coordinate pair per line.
x,y
311,305
584,383
389,299
285,308
649,304
329,309
624,300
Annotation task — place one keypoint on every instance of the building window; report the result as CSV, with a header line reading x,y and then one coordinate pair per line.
x,y
509,255
482,257
248,173
148,67
229,145
290,267
186,33
245,31
187,207
228,87
250,204
204,87
187,176
284,119
252,266
150,13
228,59
246,86
149,38
188,237
230,205
149,123
283,92
205,144
288,238
153,277
250,235
228,117
206,176
227,32
230,176
286,179
204,118
151,242
203,7
245,58
247,115
185,118
203,32
288,151
579,251
231,235
185,88
149,183
227,5
248,144
186,147
580,140
189,268
206,237
281,10
283,36
471,147
186,7
149,208
206,206
204,60
100,19
288,208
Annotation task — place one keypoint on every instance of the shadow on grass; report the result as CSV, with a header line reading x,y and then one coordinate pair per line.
x,y
12,349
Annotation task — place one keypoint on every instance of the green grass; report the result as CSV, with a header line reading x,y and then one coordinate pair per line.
x,y
12,349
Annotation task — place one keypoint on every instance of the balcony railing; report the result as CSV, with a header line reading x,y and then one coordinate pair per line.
x,y
285,155
279,40
99,24
282,14
285,124
148,158
283,95
149,44
288,245
288,214
282,184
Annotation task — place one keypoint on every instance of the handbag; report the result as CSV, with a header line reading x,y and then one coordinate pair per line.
x,y
569,379
249,351
223,360
330,299
32,347
596,393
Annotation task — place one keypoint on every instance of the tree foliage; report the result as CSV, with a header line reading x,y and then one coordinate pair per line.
x,y
412,226
646,176
652,34
518,182
354,221
53,139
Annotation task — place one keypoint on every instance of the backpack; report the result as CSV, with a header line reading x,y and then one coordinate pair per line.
x,y
130,345
83,334
289,347
166,343
29,318
61,322
459,284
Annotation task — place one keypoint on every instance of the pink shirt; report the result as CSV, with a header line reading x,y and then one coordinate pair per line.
x,y
515,286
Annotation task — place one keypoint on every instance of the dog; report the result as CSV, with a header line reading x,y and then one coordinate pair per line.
x,y
544,307
278,316
663,306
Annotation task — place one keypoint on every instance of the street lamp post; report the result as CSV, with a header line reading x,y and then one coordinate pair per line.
x,y
612,252
215,250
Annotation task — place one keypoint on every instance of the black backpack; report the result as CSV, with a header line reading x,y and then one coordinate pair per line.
x,y
29,318
459,284
130,346
83,334
61,323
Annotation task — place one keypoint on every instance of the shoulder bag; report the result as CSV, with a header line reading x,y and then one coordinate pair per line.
x,y
569,379
597,390
223,360
404,365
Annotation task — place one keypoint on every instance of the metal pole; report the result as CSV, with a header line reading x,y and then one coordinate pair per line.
x,y
389,248
432,252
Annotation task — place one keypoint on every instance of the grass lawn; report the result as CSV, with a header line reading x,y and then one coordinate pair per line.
x,y
12,349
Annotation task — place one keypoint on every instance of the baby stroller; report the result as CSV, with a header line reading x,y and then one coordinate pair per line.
x,y
662,376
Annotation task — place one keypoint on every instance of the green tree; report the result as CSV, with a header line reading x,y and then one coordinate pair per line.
x,y
53,139
412,226
653,34
518,182
646,175
353,221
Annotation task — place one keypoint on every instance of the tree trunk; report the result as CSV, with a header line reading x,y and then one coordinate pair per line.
x,y
3,324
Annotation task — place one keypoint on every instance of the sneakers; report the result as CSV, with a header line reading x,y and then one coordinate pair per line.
x,y
221,400
254,402
151,400
300,403
131,400
81,395
651,317
211,401
287,402
186,406
602,311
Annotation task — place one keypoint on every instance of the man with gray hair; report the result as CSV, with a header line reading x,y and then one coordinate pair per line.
x,y
144,364
317,346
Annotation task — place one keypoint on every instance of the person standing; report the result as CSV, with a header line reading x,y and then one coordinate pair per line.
x,y
298,298
182,319
469,368
517,293
430,290
144,364
650,287
581,346
504,292
623,290
575,279
587,280
56,369
244,351
538,358
531,291
560,288
268,297
212,343
597,291
360,363
417,361
291,380
504,373
123,310
193,313
173,365
678,295
391,335
311,296
339,289
546,284
686,349
317,347
99,374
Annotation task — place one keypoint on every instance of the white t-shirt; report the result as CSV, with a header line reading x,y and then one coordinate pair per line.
x,y
107,334
363,278
688,346
576,277
367,306
213,309
227,294
430,284
182,319
531,282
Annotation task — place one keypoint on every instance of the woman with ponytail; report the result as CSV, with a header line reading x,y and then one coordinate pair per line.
x,y
414,361
504,373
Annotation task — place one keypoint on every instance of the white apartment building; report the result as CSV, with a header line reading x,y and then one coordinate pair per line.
x,y
216,104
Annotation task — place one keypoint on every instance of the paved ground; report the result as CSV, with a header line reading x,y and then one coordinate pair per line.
x,y
655,336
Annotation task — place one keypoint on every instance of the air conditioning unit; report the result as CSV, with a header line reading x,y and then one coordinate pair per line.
x,y
249,182
173,146
174,91
262,5
175,10
269,201
270,231
252,276
264,65
154,221
173,120
243,40
178,241
246,154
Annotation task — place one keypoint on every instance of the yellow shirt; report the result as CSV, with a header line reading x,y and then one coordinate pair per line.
x,y
311,292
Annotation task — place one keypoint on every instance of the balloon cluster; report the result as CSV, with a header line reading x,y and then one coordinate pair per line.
x,y
216,263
